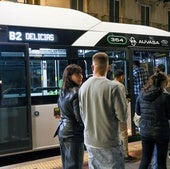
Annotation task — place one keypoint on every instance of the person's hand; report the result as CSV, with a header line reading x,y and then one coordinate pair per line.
x,y
57,116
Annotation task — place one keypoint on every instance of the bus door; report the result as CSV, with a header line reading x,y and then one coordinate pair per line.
x,y
15,121
118,60
149,60
46,69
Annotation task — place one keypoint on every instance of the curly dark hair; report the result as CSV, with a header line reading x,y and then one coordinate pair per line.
x,y
68,72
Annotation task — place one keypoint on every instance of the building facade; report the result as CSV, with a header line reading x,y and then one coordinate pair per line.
x,y
155,13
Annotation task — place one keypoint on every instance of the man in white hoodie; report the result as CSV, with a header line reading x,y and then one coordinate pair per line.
x,y
102,106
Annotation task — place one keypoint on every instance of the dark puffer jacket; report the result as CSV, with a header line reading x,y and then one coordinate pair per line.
x,y
70,126
154,107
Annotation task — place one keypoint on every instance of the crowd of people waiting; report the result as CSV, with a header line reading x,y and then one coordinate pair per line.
x,y
92,114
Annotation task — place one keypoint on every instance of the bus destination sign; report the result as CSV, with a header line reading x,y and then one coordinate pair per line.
x,y
31,36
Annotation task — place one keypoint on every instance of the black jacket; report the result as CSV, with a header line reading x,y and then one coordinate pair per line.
x,y
70,126
154,107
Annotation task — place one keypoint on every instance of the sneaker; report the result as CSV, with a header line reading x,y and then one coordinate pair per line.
x,y
130,158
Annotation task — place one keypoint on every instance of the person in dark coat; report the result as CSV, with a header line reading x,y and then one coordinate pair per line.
x,y
153,106
70,129
167,89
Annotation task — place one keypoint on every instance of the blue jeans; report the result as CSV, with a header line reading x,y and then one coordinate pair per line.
x,y
154,159
148,146
123,134
105,158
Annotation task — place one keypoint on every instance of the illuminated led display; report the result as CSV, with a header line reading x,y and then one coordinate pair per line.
x,y
30,36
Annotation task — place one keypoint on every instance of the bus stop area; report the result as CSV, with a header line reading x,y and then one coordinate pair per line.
x,y
135,150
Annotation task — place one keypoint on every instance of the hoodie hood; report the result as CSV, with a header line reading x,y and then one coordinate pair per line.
x,y
151,94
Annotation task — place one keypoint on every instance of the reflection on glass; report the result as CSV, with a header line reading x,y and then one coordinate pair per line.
x,y
12,74
14,132
46,72
151,59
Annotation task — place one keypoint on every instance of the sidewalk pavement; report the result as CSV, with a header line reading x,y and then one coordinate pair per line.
x,y
135,150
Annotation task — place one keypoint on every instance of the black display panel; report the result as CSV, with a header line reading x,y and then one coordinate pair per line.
x,y
133,40
43,35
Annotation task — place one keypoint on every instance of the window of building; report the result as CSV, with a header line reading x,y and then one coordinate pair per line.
x,y
35,2
145,13
114,10
168,20
77,4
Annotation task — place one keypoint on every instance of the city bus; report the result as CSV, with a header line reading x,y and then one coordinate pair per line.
x,y
37,43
